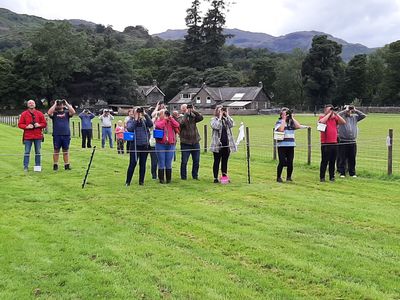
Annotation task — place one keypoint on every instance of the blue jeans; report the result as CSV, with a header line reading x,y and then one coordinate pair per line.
x,y
165,155
106,132
28,146
188,150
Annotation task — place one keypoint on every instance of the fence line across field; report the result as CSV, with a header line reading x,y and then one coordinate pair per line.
x,y
264,142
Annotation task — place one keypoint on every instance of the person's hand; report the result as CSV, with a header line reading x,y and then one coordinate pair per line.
x,y
36,125
221,113
29,126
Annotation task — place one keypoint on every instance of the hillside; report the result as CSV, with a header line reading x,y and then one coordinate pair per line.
x,y
16,29
281,44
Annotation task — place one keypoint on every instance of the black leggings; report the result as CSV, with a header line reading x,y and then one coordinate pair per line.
x,y
328,156
286,157
221,157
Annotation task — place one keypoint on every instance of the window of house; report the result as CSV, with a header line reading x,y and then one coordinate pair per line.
x,y
208,100
198,100
185,96
237,96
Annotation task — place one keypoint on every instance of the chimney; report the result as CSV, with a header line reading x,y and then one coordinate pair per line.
x,y
203,85
186,86
155,83
260,84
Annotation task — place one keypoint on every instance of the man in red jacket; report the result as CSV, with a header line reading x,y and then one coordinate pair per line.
x,y
32,122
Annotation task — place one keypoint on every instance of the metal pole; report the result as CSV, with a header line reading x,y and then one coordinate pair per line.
x,y
88,169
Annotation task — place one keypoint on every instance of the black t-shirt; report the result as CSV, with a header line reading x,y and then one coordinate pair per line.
x,y
224,134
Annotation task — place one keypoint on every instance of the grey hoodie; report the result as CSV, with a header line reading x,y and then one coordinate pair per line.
x,y
348,132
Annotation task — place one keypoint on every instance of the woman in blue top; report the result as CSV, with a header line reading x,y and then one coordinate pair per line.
x,y
286,124
139,147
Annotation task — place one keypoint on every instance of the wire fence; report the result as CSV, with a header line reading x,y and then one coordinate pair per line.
x,y
376,154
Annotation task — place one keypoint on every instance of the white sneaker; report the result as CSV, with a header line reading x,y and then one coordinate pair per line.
x,y
37,168
342,176
354,176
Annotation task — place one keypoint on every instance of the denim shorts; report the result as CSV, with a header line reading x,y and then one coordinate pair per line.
x,y
61,141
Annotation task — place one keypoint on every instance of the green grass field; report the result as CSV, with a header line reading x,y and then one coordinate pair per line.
x,y
199,240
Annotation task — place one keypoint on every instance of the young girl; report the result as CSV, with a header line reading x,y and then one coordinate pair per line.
x,y
165,146
222,141
286,124
119,132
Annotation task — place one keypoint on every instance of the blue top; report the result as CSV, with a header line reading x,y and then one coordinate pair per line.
x,y
141,130
86,120
288,140
61,123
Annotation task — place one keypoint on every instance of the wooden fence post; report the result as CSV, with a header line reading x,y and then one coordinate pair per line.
x,y
309,146
73,128
205,138
248,154
274,143
390,152
98,131
79,129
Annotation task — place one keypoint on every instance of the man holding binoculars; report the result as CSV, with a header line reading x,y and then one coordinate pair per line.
x,y
348,132
60,113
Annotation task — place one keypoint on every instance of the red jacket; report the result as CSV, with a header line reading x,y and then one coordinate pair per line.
x,y
26,119
170,127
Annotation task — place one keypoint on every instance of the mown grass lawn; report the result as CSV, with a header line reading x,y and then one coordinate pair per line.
x,y
198,240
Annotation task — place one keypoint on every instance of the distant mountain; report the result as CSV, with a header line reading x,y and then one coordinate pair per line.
x,y
282,44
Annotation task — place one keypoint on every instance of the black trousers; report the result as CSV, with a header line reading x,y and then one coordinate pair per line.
x,y
328,156
221,157
120,146
286,157
347,152
140,154
87,135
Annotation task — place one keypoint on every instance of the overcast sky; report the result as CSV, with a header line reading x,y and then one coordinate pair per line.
x,y
373,23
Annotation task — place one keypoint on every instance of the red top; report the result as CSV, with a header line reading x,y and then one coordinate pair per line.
x,y
331,133
119,131
170,127
27,118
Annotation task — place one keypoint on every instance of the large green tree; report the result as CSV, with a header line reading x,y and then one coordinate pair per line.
x,y
320,70
193,46
214,38
355,80
392,74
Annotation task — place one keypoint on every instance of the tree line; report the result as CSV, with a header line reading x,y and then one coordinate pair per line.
x,y
89,63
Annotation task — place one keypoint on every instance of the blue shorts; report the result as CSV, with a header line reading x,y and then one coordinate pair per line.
x,y
61,141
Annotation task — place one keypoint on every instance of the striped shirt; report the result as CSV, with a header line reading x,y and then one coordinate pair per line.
x,y
288,140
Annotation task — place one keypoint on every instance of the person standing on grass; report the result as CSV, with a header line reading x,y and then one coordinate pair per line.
x,y
286,124
222,143
119,132
190,139
165,146
348,140
87,132
140,125
60,113
106,128
152,148
32,122
329,140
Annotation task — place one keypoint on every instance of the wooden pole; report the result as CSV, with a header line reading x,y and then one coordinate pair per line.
x,y
98,131
390,152
205,138
88,169
274,143
248,154
73,128
309,146
79,129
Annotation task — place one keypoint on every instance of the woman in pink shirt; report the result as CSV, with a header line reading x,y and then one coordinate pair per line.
x,y
329,140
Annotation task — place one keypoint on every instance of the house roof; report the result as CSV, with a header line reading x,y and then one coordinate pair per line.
x,y
234,93
147,89
236,103
178,99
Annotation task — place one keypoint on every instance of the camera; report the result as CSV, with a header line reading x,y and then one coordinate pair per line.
x,y
289,115
224,109
190,106
351,107
167,114
139,110
60,102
